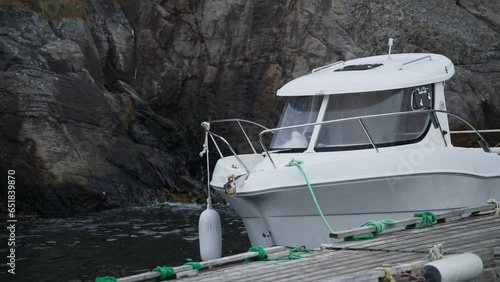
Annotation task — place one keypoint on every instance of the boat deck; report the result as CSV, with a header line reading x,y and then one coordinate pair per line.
x,y
402,251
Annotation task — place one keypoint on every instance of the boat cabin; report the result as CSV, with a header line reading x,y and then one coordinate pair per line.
x,y
377,102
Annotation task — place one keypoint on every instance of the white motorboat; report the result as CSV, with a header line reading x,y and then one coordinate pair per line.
x,y
374,138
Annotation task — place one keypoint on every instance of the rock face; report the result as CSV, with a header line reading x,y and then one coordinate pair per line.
x,y
105,111
195,59
76,145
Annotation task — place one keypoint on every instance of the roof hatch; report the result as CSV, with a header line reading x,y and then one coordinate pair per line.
x,y
359,67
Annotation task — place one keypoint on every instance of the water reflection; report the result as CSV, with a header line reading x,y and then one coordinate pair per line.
x,y
116,242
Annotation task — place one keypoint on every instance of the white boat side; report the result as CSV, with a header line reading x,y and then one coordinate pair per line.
x,y
277,208
374,171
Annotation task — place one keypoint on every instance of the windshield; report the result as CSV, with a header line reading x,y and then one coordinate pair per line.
x,y
298,110
385,131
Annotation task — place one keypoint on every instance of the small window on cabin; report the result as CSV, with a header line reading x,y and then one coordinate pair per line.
x,y
359,67
384,130
297,111
421,98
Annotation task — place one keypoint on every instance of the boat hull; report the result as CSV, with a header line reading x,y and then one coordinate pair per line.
x,y
289,216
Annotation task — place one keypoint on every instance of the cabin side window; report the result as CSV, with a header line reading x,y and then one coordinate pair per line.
x,y
384,131
297,111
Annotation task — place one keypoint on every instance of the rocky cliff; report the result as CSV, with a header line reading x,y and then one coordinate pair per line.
x,y
101,107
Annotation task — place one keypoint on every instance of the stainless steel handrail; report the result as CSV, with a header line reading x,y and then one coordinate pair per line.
x,y
469,125
230,148
416,60
472,131
238,121
360,118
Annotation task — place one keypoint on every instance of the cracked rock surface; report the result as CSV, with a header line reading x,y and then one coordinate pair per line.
x,y
106,111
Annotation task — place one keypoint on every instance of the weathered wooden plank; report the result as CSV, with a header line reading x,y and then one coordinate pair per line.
x,y
496,250
445,239
204,264
228,269
372,244
330,267
402,223
306,264
189,273
152,274
490,232
354,264
257,267
407,234
403,236
426,249
423,243
375,262
239,257
485,243
367,276
448,240
465,211
385,242
370,229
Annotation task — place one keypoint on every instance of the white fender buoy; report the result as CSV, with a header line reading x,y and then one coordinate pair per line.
x,y
210,233
456,268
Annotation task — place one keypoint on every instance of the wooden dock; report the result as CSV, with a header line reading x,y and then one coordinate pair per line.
x,y
403,252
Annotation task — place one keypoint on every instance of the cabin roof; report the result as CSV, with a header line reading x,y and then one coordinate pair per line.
x,y
365,74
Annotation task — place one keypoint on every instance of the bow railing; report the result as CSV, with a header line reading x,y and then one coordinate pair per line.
x,y
433,116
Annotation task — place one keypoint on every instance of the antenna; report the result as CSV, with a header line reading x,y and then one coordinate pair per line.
x,y
390,47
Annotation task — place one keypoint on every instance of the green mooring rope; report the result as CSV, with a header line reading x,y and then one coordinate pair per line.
x,y
166,272
294,251
293,254
196,265
262,254
298,164
105,279
379,225
427,217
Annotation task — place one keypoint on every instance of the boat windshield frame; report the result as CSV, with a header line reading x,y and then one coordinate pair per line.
x,y
352,135
297,110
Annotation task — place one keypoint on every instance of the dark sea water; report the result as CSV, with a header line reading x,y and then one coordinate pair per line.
x,y
117,242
